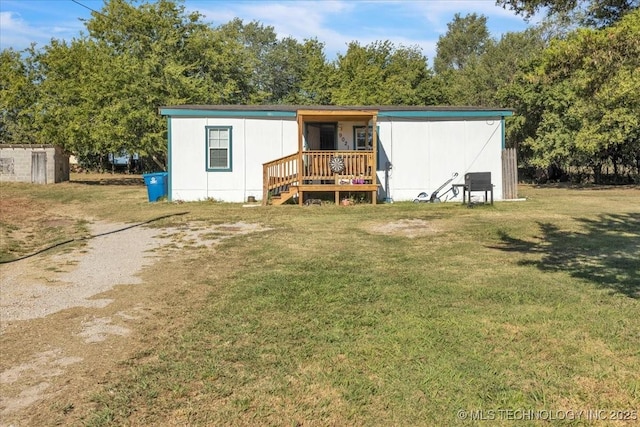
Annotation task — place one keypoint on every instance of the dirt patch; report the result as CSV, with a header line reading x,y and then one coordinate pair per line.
x,y
410,228
35,374
68,318
15,209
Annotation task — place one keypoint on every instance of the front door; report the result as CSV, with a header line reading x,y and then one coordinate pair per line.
x,y
39,167
321,136
328,136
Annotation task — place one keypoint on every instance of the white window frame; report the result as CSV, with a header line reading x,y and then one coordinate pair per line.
x,y
359,135
214,141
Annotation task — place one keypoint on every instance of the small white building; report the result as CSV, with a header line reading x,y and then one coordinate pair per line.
x,y
274,153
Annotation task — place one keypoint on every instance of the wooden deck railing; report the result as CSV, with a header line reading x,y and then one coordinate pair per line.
x,y
278,174
357,165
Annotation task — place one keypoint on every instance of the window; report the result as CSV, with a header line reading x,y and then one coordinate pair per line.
x,y
363,138
218,148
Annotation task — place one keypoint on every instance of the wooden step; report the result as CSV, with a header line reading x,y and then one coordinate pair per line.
x,y
283,196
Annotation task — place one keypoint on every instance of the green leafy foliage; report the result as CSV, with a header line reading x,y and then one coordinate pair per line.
x,y
575,91
581,100
382,74
18,92
466,39
597,13
484,77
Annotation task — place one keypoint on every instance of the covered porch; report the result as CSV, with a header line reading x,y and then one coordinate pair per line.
x,y
337,152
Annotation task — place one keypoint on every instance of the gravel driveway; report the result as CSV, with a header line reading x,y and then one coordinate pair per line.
x,y
34,289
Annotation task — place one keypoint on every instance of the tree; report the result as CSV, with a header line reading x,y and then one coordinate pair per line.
x,y
465,40
295,73
483,78
280,71
457,54
102,92
254,43
381,74
607,83
581,100
18,93
298,73
318,73
596,13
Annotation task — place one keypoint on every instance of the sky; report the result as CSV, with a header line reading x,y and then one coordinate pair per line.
x,y
336,23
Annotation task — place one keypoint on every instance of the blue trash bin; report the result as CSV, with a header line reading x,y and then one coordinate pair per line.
x,y
156,185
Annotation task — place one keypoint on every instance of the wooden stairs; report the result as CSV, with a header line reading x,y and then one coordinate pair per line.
x,y
310,172
284,195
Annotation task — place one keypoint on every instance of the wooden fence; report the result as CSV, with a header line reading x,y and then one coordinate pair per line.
x,y
509,174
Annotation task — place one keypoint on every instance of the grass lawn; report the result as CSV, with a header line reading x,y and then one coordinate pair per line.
x,y
398,314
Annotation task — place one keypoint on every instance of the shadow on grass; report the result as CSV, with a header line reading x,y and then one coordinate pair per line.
x,y
135,180
587,186
606,251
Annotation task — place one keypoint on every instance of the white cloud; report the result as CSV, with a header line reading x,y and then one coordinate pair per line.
x,y
12,22
18,33
300,19
435,10
408,23
14,31
333,22
310,19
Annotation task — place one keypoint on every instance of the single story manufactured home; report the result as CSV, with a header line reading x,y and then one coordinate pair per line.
x,y
275,153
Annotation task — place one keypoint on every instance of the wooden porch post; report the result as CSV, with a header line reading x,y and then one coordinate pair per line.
x,y
265,184
374,146
300,165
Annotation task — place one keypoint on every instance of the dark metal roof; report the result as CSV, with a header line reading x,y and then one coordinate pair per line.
x,y
295,108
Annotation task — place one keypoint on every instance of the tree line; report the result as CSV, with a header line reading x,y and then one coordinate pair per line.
x,y
573,81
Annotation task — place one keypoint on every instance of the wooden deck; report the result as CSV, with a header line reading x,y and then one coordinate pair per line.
x,y
338,190
310,172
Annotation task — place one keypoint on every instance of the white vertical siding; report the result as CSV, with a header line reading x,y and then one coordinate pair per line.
x,y
408,152
425,154
188,168
266,140
254,142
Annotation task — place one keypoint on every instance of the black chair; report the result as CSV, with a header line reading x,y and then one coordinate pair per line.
x,y
477,181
